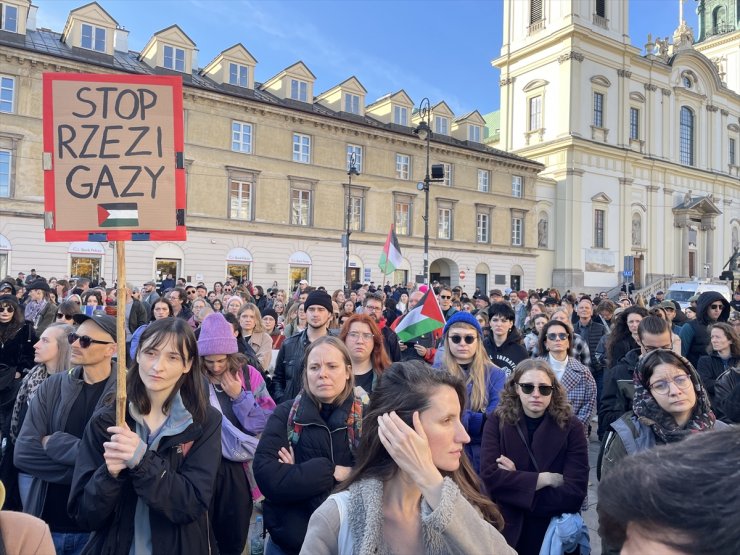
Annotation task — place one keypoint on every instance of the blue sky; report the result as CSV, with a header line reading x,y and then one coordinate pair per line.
x,y
441,49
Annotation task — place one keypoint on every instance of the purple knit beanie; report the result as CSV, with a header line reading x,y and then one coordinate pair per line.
x,y
216,337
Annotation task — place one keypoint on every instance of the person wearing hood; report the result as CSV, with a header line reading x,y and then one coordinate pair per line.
x,y
711,307
504,344
724,353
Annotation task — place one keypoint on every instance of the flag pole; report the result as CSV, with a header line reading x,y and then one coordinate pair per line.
x,y
121,334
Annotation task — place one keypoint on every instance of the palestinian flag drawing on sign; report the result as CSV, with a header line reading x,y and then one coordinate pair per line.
x,y
118,214
391,257
425,317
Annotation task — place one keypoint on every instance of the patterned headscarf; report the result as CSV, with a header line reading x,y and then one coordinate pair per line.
x,y
649,412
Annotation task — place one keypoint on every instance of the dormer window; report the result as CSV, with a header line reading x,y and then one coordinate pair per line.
x,y
474,133
174,58
687,82
8,18
93,38
351,103
441,125
400,115
299,90
238,75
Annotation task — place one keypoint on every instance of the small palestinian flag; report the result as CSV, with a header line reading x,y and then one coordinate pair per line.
x,y
118,214
425,317
391,257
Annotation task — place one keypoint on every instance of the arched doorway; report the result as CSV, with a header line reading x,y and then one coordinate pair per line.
x,y
168,259
515,277
482,271
300,268
444,270
239,264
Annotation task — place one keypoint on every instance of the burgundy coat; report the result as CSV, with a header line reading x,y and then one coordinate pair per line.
x,y
527,512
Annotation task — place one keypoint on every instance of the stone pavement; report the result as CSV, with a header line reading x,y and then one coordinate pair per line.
x,y
590,516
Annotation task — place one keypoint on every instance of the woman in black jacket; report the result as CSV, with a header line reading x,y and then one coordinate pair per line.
x,y
724,353
308,445
143,491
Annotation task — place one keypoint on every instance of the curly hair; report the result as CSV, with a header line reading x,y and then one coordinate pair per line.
x,y
509,408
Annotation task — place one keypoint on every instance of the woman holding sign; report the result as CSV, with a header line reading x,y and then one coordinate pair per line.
x,y
146,487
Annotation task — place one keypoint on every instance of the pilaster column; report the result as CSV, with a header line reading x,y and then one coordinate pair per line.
x,y
651,112
665,137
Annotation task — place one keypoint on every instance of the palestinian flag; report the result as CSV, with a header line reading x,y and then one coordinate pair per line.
x,y
118,214
425,317
391,257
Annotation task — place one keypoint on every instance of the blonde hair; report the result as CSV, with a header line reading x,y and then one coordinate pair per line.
x,y
478,372
258,327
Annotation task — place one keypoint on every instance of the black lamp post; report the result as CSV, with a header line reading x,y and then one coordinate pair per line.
x,y
424,132
350,172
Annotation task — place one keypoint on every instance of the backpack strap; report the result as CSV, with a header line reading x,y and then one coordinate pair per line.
x,y
294,430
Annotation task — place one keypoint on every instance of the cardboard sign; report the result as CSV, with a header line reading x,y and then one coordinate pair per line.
x,y
113,158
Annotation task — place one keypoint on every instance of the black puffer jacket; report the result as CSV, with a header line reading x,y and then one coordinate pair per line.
x,y
294,491
727,395
615,398
695,333
710,368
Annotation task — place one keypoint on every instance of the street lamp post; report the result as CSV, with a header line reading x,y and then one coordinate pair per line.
x,y
424,132
350,172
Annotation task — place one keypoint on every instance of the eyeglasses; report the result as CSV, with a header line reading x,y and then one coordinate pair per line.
x,y
445,296
356,335
716,307
190,291
662,387
86,340
8,309
560,336
528,389
65,316
649,349
469,339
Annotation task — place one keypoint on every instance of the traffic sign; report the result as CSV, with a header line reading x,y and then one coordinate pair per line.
x,y
462,275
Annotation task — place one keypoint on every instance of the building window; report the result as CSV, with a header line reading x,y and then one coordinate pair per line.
x,y
535,113
241,137
355,213
5,159
517,226
174,58
241,194
402,216
598,109
351,103
687,82
444,223
484,178
300,207
732,153
535,11
7,94
238,75
400,115
687,136
517,186
8,19
634,124
357,151
441,125
448,178
93,38
301,148
481,228
299,90
403,166
601,8
599,220
474,133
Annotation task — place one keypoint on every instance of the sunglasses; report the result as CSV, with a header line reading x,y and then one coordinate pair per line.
x,y
560,336
8,309
190,291
716,307
469,339
86,340
528,389
65,316
445,296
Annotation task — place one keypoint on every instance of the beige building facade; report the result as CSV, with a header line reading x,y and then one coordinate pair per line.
x,y
267,170
640,145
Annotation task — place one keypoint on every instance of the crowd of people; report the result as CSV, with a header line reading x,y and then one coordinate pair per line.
x,y
305,406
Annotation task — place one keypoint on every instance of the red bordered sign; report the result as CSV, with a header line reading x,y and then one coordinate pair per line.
x,y
113,158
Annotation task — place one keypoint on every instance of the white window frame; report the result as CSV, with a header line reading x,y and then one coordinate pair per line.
x,y
517,231
474,133
400,115
241,137
403,205
403,166
449,178
356,212
244,209
6,172
357,151
301,200
4,15
301,148
535,104
484,181
482,228
7,106
299,90
517,186
442,125
444,223
95,37
351,103
238,75
175,53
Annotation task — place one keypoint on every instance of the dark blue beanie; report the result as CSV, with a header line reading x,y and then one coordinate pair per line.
x,y
462,317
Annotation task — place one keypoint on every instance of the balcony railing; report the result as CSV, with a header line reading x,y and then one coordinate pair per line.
x,y
601,21
720,30
536,27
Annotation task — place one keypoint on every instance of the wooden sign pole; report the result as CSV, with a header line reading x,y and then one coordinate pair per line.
x,y
121,297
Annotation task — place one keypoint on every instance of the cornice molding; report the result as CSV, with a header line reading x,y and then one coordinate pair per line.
x,y
572,55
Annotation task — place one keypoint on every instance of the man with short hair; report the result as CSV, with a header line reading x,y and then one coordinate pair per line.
x,y
591,332
373,307
201,291
177,298
48,442
83,283
288,378
190,292
150,295
445,302
657,299
670,313
181,282
30,278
